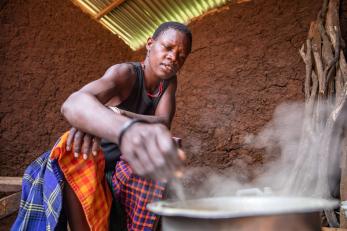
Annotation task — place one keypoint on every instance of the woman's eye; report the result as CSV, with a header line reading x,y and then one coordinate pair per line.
x,y
166,47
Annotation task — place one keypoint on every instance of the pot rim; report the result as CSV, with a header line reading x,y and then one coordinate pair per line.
x,y
256,206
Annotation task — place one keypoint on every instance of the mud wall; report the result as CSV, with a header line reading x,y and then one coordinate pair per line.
x,y
48,50
244,62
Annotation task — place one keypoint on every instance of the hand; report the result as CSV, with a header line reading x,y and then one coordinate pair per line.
x,y
82,143
151,151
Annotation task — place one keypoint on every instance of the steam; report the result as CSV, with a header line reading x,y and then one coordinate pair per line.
x,y
309,152
306,150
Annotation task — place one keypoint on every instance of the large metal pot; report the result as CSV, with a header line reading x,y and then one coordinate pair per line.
x,y
251,213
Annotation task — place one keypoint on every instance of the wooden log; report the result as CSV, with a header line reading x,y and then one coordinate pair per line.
x,y
333,31
317,54
307,57
332,229
10,184
9,204
339,83
332,23
108,8
343,66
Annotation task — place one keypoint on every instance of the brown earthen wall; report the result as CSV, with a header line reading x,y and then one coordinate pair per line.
x,y
48,50
244,62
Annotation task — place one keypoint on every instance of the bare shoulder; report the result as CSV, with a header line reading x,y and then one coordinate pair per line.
x,y
120,73
116,82
120,79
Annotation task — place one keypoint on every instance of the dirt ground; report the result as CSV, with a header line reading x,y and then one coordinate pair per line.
x,y
244,63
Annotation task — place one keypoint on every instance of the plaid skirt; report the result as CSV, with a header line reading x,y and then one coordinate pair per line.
x,y
41,204
134,193
130,192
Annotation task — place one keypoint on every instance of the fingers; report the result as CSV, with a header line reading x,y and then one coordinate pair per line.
x,y
170,165
150,151
131,158
139,166
158,161
168,149
70,138
134,152
181,154
142,153
95,146
155,153
81,142
86,146
78,142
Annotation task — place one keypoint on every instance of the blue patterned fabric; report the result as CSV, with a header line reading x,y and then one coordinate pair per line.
x,y
41,201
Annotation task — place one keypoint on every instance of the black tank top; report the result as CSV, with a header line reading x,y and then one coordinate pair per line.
x,y
137,102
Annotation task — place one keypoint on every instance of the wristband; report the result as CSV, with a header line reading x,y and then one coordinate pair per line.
x,y
126,127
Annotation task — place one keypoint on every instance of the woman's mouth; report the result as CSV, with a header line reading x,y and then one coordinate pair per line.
x,y
167,67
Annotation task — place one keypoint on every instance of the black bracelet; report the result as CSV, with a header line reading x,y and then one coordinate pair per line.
x,y
126,127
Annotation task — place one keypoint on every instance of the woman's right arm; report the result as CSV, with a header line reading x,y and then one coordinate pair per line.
x,y
85,108
85,111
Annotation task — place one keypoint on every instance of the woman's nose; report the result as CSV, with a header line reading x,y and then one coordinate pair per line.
x,y
173,56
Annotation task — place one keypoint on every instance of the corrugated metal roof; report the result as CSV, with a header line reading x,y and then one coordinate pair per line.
x,y
135,20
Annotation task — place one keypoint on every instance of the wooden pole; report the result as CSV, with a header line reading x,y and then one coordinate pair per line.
x,y
333,229
9,204
10,184
108,8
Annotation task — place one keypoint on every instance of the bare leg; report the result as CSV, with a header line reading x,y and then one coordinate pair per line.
x,y
74,212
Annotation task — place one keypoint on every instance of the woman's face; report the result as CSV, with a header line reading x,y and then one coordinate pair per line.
x,y
167,53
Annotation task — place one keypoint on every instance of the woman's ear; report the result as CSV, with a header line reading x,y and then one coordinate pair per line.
x,y
149,43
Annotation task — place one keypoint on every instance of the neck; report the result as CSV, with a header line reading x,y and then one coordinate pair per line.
x,y
151,80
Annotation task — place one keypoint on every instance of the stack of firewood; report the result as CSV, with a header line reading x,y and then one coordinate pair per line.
x,y
326,87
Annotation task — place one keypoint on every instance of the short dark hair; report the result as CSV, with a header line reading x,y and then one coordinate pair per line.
x,y
176,26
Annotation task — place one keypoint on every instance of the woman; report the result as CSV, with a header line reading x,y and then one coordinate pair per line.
x,y
136,142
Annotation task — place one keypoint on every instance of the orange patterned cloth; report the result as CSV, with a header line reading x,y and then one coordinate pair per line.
x,y
86,178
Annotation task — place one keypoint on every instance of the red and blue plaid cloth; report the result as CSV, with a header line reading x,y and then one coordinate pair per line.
x,y
41,202
134,193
